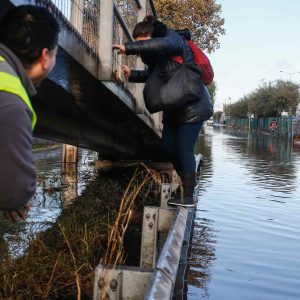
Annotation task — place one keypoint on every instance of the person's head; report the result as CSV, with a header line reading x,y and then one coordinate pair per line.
x,y
143,31
31,33
159,28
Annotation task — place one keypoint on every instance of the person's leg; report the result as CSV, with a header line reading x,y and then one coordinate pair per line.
x,y
187,135
169,142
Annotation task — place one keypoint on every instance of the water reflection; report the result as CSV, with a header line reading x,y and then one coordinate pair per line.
x,y
268,159
57,186
203,236
246,242
203,246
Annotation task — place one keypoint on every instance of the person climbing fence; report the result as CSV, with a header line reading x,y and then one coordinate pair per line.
x,y
174,88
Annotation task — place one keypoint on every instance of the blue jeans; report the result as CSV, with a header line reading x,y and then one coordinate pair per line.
x,y
179,142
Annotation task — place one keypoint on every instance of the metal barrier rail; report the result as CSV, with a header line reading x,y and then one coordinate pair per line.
x,y
165,230
164,276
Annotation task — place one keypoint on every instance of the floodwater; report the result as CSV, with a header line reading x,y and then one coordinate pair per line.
x,y
54,191
246,240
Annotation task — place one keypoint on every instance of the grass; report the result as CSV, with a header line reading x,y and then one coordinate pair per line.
x,y
59,262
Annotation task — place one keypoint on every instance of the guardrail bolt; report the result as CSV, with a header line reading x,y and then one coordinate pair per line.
x,y
154,216
164,190
150,224
166,196
148,216
113,284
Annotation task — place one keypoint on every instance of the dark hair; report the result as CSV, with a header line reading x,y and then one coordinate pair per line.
x,y
149,18
27,30
159,28
142,29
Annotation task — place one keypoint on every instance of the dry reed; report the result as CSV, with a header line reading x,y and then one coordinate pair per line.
x,y
59,262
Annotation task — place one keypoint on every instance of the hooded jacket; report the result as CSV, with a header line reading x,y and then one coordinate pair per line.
x,y
17,172
157,51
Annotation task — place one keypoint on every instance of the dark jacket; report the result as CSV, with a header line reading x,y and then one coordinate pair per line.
x,y
17,172
157,51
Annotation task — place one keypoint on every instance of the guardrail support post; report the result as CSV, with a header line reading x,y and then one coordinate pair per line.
x,y
165,194
106,39
149,237
121,282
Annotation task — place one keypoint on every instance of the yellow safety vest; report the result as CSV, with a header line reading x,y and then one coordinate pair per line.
x,y
12,84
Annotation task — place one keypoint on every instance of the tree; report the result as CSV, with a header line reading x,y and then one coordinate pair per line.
x,y
202,17
212,89
238,109
217,116
270,99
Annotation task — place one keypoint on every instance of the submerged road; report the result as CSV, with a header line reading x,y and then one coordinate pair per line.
x,y
246,242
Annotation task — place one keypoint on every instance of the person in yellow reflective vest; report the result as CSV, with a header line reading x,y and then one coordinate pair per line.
x,y
28,47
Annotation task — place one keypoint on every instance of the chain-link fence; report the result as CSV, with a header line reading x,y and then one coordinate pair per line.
x,y
284,126
82,18
125,18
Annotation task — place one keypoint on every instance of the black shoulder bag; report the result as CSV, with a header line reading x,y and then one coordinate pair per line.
x,y
167,91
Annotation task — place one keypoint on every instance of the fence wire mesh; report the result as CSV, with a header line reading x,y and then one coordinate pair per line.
x,y
148,9
128,10
81,16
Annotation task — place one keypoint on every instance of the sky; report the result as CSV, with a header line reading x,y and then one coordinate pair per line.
x,y
262,38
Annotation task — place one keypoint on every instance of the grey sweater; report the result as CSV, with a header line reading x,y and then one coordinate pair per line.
x,y
17,172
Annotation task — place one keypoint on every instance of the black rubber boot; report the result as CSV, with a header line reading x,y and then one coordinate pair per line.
x,y
185,199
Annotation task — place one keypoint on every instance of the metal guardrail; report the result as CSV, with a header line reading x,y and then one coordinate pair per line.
x,y
84,18
164,276
97,24
165,230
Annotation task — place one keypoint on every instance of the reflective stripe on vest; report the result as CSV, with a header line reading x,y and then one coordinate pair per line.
x,y
12,84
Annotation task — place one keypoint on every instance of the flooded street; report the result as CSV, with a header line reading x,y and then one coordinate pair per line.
x,y
246,242
54,192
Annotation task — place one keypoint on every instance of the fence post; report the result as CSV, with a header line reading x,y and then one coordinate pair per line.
x,y
77,14
106,39
140,104
140,107
69,173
